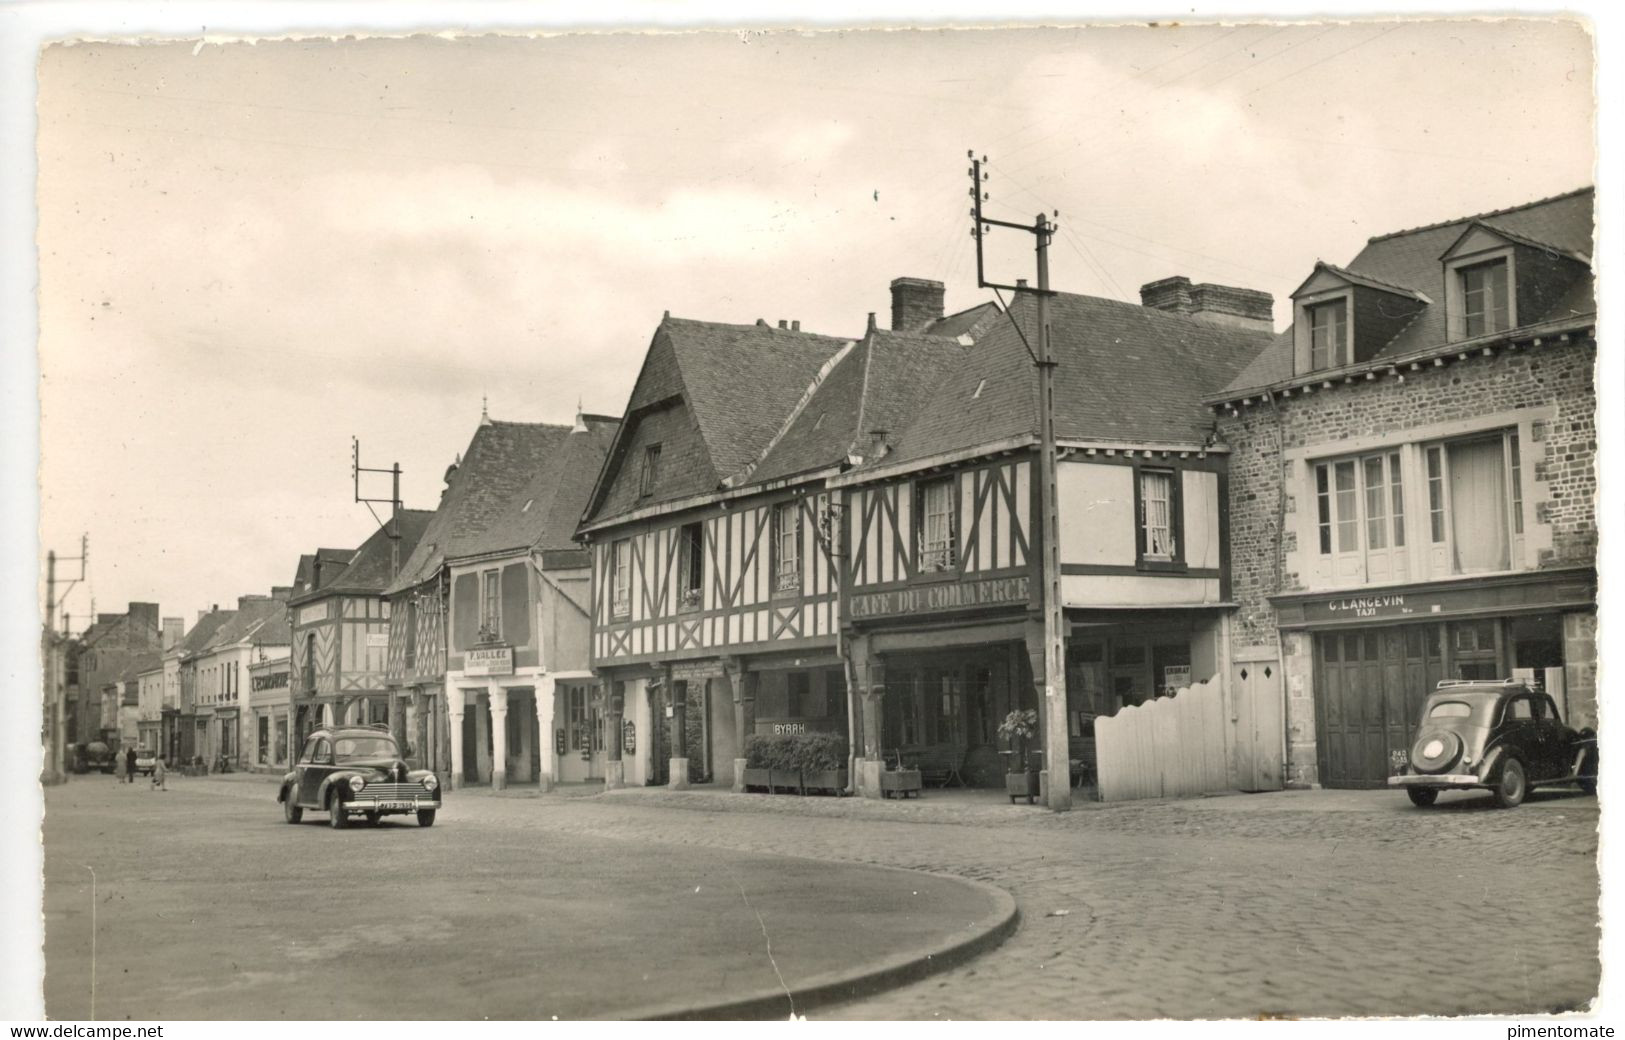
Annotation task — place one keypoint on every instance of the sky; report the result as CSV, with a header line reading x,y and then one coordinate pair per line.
x,y
251,253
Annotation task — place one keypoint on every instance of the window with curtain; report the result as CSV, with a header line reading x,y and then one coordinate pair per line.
x,y
787,547
937,543
620,578
490,604
691,564
1156,514
1478,503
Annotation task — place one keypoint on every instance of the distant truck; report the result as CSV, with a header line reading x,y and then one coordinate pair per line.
x,y
94,756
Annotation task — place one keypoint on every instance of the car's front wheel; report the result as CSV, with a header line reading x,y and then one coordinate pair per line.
x,y
290,811
1588,769
1512,785
1422,797
336,816
425,817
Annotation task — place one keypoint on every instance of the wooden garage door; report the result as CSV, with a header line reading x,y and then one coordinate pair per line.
x,y
1369,688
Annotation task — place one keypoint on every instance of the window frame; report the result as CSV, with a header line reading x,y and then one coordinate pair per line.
x,y
1174,561
649,476
1340,352
1495,270
1441,511
1456,270
490,625
947,551
1329,521
691,566
620,580
786,579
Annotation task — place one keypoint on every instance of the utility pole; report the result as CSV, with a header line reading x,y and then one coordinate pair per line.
x,y
1057,754
53,665
392,526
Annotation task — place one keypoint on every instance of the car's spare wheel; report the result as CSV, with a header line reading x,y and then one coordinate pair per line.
x,y
1435,751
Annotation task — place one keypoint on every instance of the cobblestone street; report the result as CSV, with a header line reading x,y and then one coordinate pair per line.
x,y
1296,903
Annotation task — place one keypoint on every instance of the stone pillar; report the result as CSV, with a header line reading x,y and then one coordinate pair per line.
x,y
743,685
871,675
499,736
546,686
614,767
679,733
455,703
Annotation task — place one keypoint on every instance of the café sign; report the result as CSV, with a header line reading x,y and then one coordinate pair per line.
x,y
491,660
923,599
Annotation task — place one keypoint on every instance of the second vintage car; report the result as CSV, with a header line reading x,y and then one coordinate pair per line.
x,y
349,771
1504,736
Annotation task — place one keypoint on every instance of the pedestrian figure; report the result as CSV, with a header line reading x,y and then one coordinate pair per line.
x,y
129,764
159,777
118,766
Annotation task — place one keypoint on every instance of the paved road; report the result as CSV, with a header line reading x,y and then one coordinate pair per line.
x,y
210,906
1311,904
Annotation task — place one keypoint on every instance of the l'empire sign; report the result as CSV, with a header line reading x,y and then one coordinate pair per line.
x,y
924,599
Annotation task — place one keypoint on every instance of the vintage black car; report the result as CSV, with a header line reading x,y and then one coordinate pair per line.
x,y
357,770
1504,736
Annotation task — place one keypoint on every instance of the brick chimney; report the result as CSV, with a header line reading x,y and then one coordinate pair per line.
x,y
915,303
281,591
1219,304
174,629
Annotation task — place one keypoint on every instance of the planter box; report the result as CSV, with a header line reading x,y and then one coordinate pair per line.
x,y
784,779
901,782
1021,785
832,780
758,778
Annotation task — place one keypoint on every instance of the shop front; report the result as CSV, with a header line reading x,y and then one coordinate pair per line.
x,y
1373,657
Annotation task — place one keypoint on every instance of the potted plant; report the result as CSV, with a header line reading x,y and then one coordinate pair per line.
x,y
899,780
1018,728
822,757
758,758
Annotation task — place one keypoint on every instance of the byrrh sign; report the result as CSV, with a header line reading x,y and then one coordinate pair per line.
x,y
946,596
491,660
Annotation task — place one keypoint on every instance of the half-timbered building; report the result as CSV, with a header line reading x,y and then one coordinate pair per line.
x,y
1416,481
942,599
339,622
490,617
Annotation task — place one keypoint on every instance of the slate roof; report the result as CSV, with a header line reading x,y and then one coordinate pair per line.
x,y
1125,374
256,620
1412,259
518,486
369,569
202,633
150,661
737,385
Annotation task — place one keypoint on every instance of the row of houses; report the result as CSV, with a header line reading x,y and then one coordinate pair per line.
x,y
791,532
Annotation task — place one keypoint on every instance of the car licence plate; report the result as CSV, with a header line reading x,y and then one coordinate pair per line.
x,y
397,806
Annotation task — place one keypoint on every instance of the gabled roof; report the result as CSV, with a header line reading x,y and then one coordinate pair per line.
x,y
1125,374
257,621
202,633
734,386
368,572
1562,224
1513,236
1359,279
518,486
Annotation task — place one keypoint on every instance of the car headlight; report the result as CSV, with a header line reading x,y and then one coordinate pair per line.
x,y
356,783
430,782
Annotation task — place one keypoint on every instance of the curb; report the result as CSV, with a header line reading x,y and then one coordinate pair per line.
x,y
840,986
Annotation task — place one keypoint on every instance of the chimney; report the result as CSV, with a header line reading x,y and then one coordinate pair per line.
x,y
174,628
1238,308
915,303
281,591
1169,294
783,324
795,325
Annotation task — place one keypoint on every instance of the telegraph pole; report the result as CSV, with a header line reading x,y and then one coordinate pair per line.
x,y
1057,754
392,526
52,652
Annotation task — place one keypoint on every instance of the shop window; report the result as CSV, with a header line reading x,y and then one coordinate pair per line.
x,y
1157,509
787,547
1475,501
938,546
1328,334
691,565
620,578
264,741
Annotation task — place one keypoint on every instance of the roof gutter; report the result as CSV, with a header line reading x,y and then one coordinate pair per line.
x,y
947,458
679,505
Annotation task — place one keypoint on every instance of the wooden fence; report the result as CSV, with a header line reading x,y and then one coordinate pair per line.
x,y
1164,748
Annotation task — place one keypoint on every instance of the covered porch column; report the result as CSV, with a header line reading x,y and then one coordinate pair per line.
x,y
455,703
870,688
614,767
498,699
743,685
546,686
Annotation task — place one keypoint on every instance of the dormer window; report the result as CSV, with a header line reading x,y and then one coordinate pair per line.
x,y
1329,334
1485,304
651,470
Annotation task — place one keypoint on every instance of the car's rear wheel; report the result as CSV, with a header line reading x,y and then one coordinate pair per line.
x,y
425,817
336,816
290,811
1512,784
1422,797
1588,769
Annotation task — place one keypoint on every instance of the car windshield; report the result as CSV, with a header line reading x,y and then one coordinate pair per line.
x,y
349,749
1451,710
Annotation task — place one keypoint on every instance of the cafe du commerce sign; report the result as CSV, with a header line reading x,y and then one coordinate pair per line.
x,y
923,599
490,660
